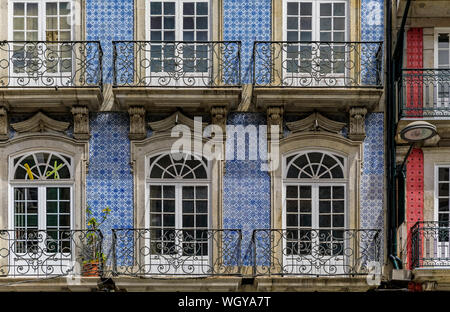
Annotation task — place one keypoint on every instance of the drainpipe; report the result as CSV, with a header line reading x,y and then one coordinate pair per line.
x,y
394,64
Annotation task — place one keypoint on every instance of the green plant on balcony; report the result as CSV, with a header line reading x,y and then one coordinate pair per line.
x,y
93,255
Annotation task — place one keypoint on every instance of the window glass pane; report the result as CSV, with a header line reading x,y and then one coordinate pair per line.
x,y
19,9
188,8
443,41
325,9
155,8
169,8
292,8
202,8
339,9
306,8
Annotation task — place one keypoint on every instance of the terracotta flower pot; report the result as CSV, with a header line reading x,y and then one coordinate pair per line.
x,y
91,269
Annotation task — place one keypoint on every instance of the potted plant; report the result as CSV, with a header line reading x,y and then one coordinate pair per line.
x,y
93,255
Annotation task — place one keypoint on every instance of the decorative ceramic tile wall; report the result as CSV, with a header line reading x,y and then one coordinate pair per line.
x,y
372,20
247,21
106,21
109,180
372,178
246,192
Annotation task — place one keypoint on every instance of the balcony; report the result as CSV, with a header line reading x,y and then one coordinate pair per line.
x,y
46,74
430,245
424,93
158,252
32,253
162,75
307,74
312,252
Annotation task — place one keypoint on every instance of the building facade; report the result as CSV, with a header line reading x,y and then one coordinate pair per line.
x,y
421,29
280,185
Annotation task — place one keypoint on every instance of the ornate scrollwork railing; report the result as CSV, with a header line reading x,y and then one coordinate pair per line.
x,y
49,253
310,64
430,244
424,93
156,252
190,64
313,252
48,64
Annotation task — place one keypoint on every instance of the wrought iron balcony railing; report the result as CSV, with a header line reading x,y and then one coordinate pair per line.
x,y
148,252
310,64
50,64
312,252
50,253
424,93
430,245
202,64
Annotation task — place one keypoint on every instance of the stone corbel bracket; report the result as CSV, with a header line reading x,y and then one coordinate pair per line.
x,y
219,118
138,129
4,127
275,117
40,123
357,120
316,122
80,122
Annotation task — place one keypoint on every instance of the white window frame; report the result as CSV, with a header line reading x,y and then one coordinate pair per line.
x,y
440,102
154,259
294,261
315,36
443,248
42,26
57,261
154,78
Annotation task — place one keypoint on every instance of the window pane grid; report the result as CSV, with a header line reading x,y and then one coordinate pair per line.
x,y
195,220
444,202
298,220
331,220
58,219
25,219
162,219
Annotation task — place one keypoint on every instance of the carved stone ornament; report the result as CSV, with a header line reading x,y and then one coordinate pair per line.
x,y
40,123
4,129
80,122
275,118
357,128
219,117
177,118
315,122
138,130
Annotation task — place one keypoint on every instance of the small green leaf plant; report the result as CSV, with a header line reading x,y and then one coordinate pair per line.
x,y
93,224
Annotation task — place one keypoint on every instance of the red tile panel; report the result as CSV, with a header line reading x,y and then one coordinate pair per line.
x,y
414,81
414,191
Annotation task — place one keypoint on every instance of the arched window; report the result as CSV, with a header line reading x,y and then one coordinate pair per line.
x,y
178,188
314,203
41,185
42,166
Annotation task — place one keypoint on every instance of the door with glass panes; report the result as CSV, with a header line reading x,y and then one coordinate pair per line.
x,y
315,53
38,56
176,30
40,215
314,220
179,240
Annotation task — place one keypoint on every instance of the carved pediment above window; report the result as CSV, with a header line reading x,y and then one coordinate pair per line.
x,y
315,122
40,123
177,118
